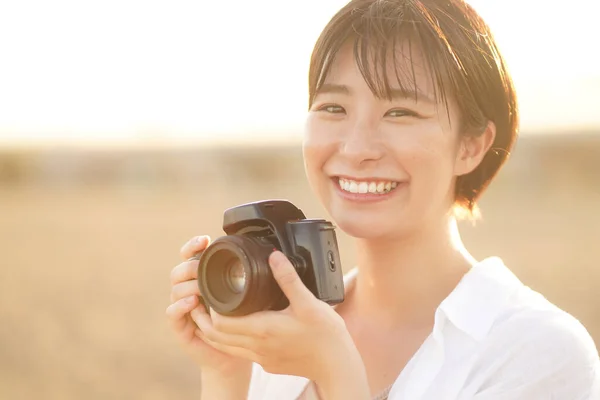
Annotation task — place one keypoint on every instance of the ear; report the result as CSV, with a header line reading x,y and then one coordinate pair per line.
x,y
472,150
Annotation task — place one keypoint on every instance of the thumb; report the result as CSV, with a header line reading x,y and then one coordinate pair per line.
x,y
288,280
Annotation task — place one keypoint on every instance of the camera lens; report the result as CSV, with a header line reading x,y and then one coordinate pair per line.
x,y
225,275
236,276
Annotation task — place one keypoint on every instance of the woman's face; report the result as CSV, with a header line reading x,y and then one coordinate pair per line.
x,y
380,168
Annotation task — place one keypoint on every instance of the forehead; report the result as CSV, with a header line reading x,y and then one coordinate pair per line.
x,y
403,67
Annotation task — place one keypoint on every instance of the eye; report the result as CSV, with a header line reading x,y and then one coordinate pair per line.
x,y
331,109
401,112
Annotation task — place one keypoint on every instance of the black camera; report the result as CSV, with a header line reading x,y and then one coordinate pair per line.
x,y
234,276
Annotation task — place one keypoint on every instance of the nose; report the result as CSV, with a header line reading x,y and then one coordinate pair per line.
x,y
362,144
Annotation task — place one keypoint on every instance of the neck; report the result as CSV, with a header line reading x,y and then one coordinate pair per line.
x,y
403,280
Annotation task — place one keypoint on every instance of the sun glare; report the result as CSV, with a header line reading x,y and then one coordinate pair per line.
x,y
135,71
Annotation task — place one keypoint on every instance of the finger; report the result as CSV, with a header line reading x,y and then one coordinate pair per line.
x,y
177,312
194,246
288,280
184,289
257,324
231,350
186,271
201,318
205,325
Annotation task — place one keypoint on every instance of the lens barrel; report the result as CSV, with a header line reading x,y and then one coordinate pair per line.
x,y
234,276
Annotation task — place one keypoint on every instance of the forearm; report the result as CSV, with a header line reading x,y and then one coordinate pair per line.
x,y
215,386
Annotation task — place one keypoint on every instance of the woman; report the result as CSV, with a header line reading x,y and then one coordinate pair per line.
x,y
411,114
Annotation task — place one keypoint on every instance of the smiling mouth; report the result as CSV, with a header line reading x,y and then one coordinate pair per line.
x,y
364,187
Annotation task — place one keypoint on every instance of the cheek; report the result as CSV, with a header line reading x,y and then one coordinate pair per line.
x,y
317,148
310,155
428,158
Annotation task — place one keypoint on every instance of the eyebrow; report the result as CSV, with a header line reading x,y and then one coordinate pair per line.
x,y
397,94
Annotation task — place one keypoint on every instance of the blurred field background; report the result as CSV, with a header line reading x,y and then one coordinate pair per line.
x,y
127,127
88,238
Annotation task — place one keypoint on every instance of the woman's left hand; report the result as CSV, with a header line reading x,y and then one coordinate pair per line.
x,y
308,338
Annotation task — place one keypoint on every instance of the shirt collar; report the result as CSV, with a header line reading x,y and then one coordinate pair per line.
x,y
480,297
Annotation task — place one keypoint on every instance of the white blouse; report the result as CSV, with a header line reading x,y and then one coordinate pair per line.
x,y
493,338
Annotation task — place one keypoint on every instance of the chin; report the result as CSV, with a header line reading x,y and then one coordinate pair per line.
x,y
365,228
361,232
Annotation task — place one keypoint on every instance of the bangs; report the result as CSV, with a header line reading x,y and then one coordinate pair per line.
x,y
381,34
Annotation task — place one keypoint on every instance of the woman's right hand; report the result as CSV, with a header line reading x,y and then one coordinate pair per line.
x,y
185,299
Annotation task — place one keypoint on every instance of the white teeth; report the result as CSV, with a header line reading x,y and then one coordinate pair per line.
x,y
367,187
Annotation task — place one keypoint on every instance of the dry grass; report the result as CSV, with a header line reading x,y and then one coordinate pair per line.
x,y
86,255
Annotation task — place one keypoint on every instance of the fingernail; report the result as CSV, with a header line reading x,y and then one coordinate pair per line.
x,y
200,239
277,258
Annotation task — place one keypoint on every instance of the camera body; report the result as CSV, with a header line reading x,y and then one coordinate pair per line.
x,y
234,276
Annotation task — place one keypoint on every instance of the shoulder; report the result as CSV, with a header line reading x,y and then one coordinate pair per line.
x,y
522,345
493,305
535,345
531,320
546,330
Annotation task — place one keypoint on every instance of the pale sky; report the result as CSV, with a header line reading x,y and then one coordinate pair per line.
x,y
168,70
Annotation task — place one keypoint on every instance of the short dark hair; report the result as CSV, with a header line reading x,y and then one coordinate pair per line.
x,y
462,56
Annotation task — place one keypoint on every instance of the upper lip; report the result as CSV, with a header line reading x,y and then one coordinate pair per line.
x,y
367,179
